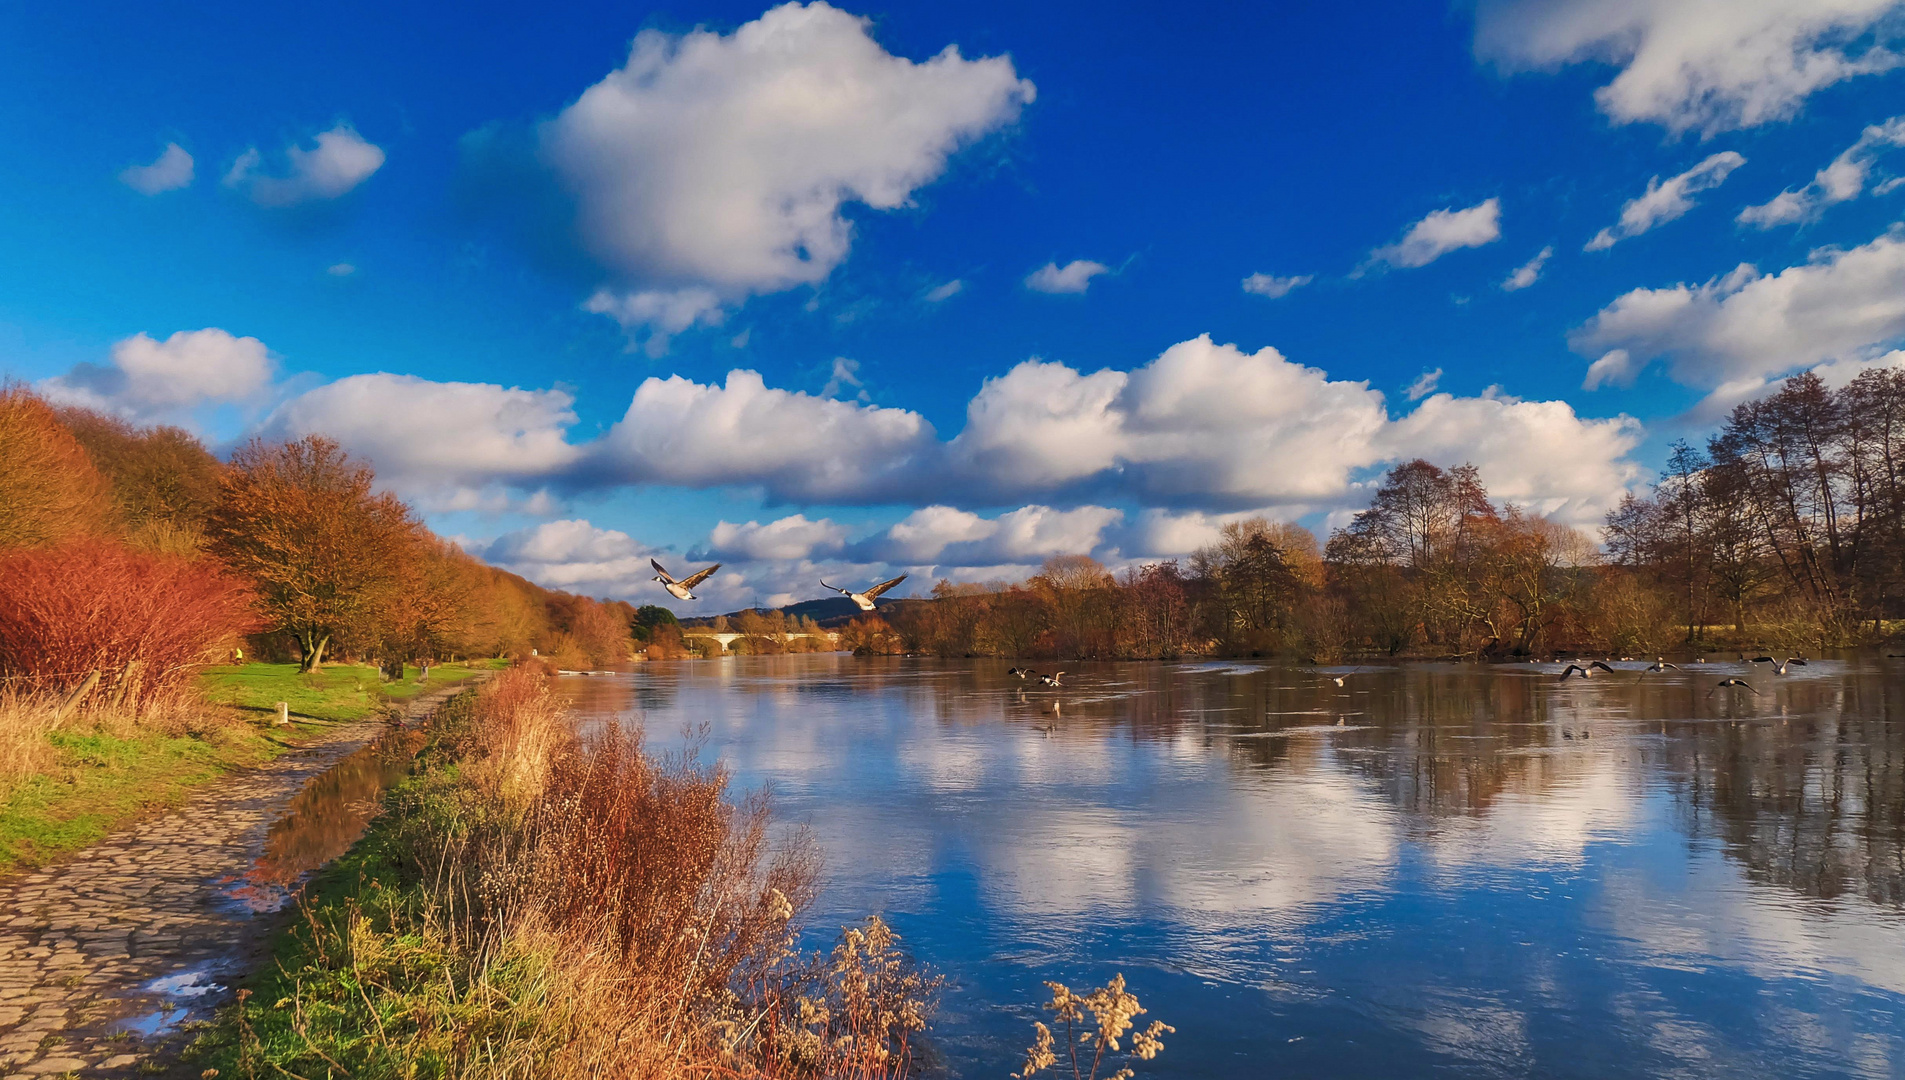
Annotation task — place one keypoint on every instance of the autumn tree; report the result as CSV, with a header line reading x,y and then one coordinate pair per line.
x,y
326,553
49,487
164,482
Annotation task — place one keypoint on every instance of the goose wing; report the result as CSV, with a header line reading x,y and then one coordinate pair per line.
x,y
1602,665
834,588
1569,670
1800,660
659,569
882,587
698,577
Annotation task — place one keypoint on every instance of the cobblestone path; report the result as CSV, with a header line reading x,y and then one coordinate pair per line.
x,y
104,957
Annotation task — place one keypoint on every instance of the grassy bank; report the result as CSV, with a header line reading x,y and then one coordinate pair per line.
x,y
337,692
67,786
527,907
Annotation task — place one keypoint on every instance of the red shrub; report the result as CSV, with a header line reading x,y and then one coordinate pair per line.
x,y
142,620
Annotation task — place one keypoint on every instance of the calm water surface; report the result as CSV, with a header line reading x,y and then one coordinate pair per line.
x,y
1437,870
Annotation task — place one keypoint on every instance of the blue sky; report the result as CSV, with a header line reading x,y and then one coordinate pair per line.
x,y
799,290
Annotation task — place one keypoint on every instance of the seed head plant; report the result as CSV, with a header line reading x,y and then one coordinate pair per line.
x,y
1092,1025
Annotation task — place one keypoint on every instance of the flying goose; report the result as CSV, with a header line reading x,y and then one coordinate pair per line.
x,y
1051,680
1338,679
865,599
1660,664
1779,666
683,589
1584,672
1021,672
1732,682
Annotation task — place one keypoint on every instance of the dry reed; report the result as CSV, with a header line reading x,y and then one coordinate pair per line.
x,y
565,907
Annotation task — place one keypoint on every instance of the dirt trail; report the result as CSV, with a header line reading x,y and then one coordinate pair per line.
x,y
103,958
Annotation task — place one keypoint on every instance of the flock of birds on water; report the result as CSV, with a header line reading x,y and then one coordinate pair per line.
x,y
683,589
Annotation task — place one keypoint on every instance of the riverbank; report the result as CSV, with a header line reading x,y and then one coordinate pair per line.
x,y
108,959
524,907
79,781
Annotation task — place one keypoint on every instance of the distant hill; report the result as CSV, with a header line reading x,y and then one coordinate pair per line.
x,y
830,612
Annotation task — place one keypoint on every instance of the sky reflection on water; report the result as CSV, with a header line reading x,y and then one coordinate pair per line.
x,y
1437,870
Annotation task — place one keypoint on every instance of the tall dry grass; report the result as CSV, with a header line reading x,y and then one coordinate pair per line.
x,y
545,905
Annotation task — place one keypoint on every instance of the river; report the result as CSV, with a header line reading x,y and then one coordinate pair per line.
x,y
1435,870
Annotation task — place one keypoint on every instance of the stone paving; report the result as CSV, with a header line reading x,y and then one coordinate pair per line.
x,y
104,958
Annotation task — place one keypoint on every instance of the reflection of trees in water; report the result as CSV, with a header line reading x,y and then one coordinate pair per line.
x,y
1805,785
326,818
1811,797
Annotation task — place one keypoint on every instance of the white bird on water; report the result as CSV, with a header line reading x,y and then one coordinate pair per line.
x,y
865,599
683,589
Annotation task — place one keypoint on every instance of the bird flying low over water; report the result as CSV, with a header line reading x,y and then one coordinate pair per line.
x,y
1742,683
1021,672
1051,680
1779,666
1660,664
1584,672
683,589
865,599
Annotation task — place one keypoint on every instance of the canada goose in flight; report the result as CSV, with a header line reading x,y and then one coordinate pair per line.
x,y
1584,672
1021,672
1779,666
865,599
683,589
1660,664
1732,682
1051,680
1338,679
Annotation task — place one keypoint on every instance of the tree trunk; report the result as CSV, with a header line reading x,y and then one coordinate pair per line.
x,y
312,644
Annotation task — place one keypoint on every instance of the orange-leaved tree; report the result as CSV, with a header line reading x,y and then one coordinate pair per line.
x,y
326,554
49,488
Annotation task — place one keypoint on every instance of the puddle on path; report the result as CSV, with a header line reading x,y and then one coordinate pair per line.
x,y
323,821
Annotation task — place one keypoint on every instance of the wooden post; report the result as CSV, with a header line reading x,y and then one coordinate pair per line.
x,y
284,714
73,698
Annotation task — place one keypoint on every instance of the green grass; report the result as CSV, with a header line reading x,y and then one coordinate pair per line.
x,y
336,692
99,783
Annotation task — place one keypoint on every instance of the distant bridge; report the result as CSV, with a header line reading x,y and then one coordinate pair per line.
x,y
727,638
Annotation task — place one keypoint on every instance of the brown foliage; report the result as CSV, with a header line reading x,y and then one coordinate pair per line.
x,y
49,487
143,620
162,478
326,554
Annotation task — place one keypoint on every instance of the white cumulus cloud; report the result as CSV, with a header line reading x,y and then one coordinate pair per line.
x,y
795,446
1693,64
340,161
170,171
950,537
1529,272
575,556
1275,287
716,165
1424,385
1841,181
1746,325
441,442
1441,232
792,537
147,379
1073,277
1537,454
1666,200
